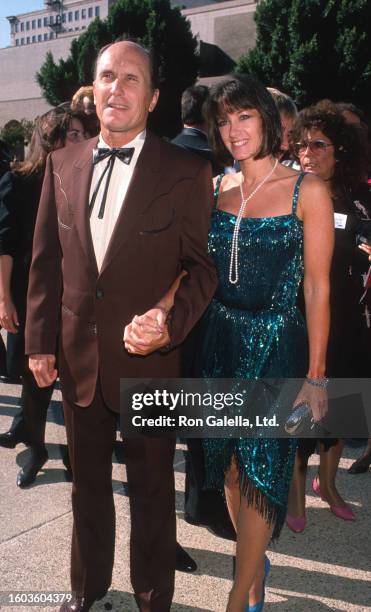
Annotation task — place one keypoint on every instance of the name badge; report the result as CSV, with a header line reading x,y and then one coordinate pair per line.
x,y
340,220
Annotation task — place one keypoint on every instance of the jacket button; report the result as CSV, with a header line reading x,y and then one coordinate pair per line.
x,y
99,294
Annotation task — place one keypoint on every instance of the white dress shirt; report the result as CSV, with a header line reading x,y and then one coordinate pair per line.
x,y
101,229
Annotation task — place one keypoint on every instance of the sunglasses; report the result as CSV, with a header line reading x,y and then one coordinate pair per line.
x,y
315,146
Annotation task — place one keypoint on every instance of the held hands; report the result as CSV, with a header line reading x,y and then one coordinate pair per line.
x,y
8,315
316,397
43,369
147,333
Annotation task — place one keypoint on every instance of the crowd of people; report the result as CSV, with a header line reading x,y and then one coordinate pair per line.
x,y
122,256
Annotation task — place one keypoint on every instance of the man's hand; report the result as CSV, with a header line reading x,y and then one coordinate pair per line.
x,y
147,333
8,315
43,369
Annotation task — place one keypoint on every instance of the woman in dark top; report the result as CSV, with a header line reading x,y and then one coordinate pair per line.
x,y
19,199
332,149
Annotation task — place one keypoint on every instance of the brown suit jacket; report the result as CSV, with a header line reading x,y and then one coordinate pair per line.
x,y
162,228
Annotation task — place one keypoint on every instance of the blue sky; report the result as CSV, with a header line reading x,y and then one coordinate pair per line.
x,y
14,7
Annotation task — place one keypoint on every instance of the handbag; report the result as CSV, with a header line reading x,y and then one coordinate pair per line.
x,y
300,420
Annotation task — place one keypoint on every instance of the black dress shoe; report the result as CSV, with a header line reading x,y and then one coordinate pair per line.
x,y
77,604
81,604
183,561
192,520
361,465
11,380
28,473
222,527
10,439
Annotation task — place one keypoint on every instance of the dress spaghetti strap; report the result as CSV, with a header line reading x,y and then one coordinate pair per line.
x,y
295,196
217,189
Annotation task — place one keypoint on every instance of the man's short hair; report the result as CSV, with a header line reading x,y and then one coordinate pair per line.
x,y
284,103
193,100
149,52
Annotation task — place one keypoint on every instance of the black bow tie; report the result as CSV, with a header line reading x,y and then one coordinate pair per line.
x,y
124,154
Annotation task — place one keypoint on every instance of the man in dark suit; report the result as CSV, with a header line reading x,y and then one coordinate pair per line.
x,y
193,136
201,506
116,226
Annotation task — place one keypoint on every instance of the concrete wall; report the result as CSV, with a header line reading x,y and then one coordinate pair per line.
x,y
229,25
20,95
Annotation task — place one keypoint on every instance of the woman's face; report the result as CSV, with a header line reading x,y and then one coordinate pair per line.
x,y
316,154
75,133
241,132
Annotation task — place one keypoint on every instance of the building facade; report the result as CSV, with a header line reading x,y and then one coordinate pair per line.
x,y
57,18
225,31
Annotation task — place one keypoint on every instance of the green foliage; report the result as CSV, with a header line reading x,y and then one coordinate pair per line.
x,y
57,81
156,25
27,127
17,134
313,49
13,133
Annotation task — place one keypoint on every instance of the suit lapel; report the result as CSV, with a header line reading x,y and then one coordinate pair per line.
x,y
82,172
140,193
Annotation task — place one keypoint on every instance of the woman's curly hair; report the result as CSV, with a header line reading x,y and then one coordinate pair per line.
x,y
349,143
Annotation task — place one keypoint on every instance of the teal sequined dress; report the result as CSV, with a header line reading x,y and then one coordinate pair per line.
x,y
254,329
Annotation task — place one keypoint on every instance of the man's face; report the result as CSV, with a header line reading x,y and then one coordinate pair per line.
x,y
123,93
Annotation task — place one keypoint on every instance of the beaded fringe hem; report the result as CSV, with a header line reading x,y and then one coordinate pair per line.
x,y
273,514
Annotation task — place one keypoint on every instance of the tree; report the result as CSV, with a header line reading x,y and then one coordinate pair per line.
x,y
16,134
156,24
313,49
13,134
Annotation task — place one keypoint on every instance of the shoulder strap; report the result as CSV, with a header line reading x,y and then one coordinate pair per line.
x,y
217,189
295,196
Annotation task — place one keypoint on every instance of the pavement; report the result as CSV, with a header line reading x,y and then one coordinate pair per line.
x,y
328,567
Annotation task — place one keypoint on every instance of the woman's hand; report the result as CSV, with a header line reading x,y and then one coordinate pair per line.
x,y
8,315
366,248
316,398
147,333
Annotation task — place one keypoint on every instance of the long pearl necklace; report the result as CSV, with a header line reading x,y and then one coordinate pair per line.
x,y
233,266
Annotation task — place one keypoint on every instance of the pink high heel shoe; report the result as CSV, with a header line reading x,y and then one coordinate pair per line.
x,y
316,488
343,512
297,525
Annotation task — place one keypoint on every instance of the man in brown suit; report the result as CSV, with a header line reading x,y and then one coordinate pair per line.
x,y
110,239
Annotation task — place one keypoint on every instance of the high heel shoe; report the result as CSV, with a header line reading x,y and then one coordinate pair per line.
x,y
260,605
297,525
343,512
360,466
316,488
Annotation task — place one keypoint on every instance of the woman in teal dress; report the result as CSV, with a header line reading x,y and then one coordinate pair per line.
x,y
271,227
